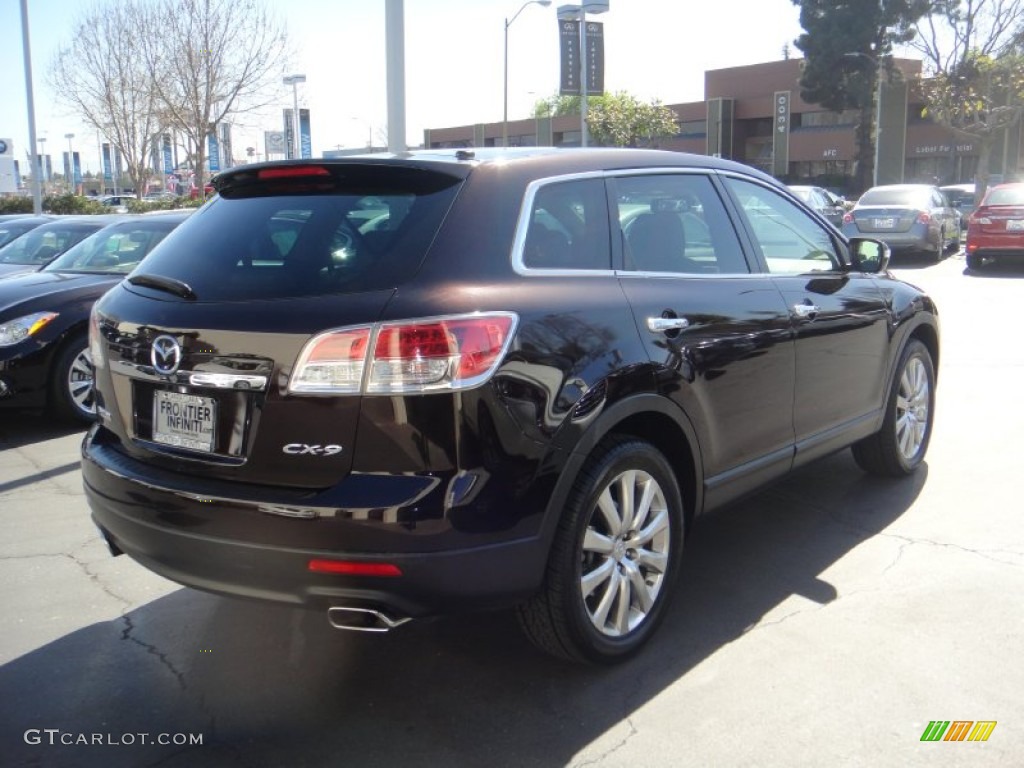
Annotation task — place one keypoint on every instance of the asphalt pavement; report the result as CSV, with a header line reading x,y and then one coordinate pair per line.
x,y
827,621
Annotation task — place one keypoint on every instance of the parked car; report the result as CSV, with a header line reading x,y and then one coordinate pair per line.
x,y
14,226
995,231
821,200
48,240
393,387
44,356
159,196
906,217
117,203
961,197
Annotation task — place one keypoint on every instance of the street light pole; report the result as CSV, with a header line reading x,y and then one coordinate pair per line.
x,y
508,23
37,191
293,81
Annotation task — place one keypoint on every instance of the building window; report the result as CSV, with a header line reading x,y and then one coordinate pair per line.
x,y
842,119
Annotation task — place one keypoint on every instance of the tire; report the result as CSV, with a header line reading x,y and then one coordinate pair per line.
x,y
602,598
974,262
898,448
940,248
72,383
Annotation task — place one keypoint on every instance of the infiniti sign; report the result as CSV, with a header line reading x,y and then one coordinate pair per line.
x,y
165,355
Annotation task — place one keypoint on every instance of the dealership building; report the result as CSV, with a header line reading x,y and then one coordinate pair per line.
x,y
754,114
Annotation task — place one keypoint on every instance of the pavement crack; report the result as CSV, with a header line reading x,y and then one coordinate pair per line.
x,y
127,634
614,748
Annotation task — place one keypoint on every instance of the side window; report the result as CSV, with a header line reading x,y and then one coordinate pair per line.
x,y
791,242
568,227
675,223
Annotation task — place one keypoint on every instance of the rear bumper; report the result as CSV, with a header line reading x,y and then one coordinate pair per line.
x,y
235,547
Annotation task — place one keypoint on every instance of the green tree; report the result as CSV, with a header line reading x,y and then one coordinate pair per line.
x,y
975,71
622,120
846,46
616,119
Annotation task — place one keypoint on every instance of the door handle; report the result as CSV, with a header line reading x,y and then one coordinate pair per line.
x,y
663,324
806,311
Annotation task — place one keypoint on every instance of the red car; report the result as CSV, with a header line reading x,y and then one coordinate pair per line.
x,y
996,228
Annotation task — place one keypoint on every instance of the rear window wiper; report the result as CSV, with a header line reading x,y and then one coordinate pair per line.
x,y
161,283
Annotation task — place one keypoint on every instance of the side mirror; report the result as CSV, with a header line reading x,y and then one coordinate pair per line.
x,y
867,255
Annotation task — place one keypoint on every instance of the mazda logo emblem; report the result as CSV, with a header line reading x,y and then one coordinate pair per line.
x,y
165,355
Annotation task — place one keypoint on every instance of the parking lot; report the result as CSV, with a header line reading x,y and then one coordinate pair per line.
x,y
824,622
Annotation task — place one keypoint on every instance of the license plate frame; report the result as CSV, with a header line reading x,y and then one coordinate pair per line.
x,y
184,420
888,222
1015,225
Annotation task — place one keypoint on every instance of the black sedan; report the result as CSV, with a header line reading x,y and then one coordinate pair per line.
x,y
44,356
48,240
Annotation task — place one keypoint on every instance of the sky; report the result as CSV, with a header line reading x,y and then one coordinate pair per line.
x,y
654,49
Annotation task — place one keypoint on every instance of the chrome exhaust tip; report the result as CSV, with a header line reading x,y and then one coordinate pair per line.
x,y
363,619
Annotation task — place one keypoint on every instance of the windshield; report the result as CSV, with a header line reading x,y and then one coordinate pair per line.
x,y
115,249
42,244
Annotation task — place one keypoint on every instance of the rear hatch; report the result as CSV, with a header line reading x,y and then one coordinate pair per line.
x,y
1000,220
198,348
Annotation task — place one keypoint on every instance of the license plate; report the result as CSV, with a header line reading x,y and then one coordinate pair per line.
x,y
884,223
184,421
1014,225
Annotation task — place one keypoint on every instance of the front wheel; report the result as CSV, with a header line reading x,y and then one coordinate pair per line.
x,y
614,559
900,445
72,386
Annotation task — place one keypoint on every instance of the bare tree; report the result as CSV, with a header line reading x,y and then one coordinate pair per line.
x,y
974,81
225,57
101,74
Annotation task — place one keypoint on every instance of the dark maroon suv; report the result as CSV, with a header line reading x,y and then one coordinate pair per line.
x,y
397,386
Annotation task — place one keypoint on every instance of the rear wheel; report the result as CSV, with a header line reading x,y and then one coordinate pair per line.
x,y
900,445
614,559
974,261
72,392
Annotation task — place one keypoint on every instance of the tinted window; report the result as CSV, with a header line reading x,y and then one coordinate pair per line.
x,y
364,228
675,223
790,240
43,243
915,197
568,227
116,249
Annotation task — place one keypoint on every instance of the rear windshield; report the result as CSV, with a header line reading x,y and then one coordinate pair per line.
x,y
1005,196
911,197
367,229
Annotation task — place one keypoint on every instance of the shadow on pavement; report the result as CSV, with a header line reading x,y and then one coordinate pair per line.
x,y
271,686
18,428
1004,269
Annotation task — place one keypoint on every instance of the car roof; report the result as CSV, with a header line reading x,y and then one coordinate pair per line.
x,y
539,161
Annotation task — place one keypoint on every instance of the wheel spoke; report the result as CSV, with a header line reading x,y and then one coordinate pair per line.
x,y
604,606
656,526
609,511
642,592
598,576
651,560
622,604
595,541
627,498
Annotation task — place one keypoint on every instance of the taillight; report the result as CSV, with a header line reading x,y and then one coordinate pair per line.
x,y
424,355
924,217
847,218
